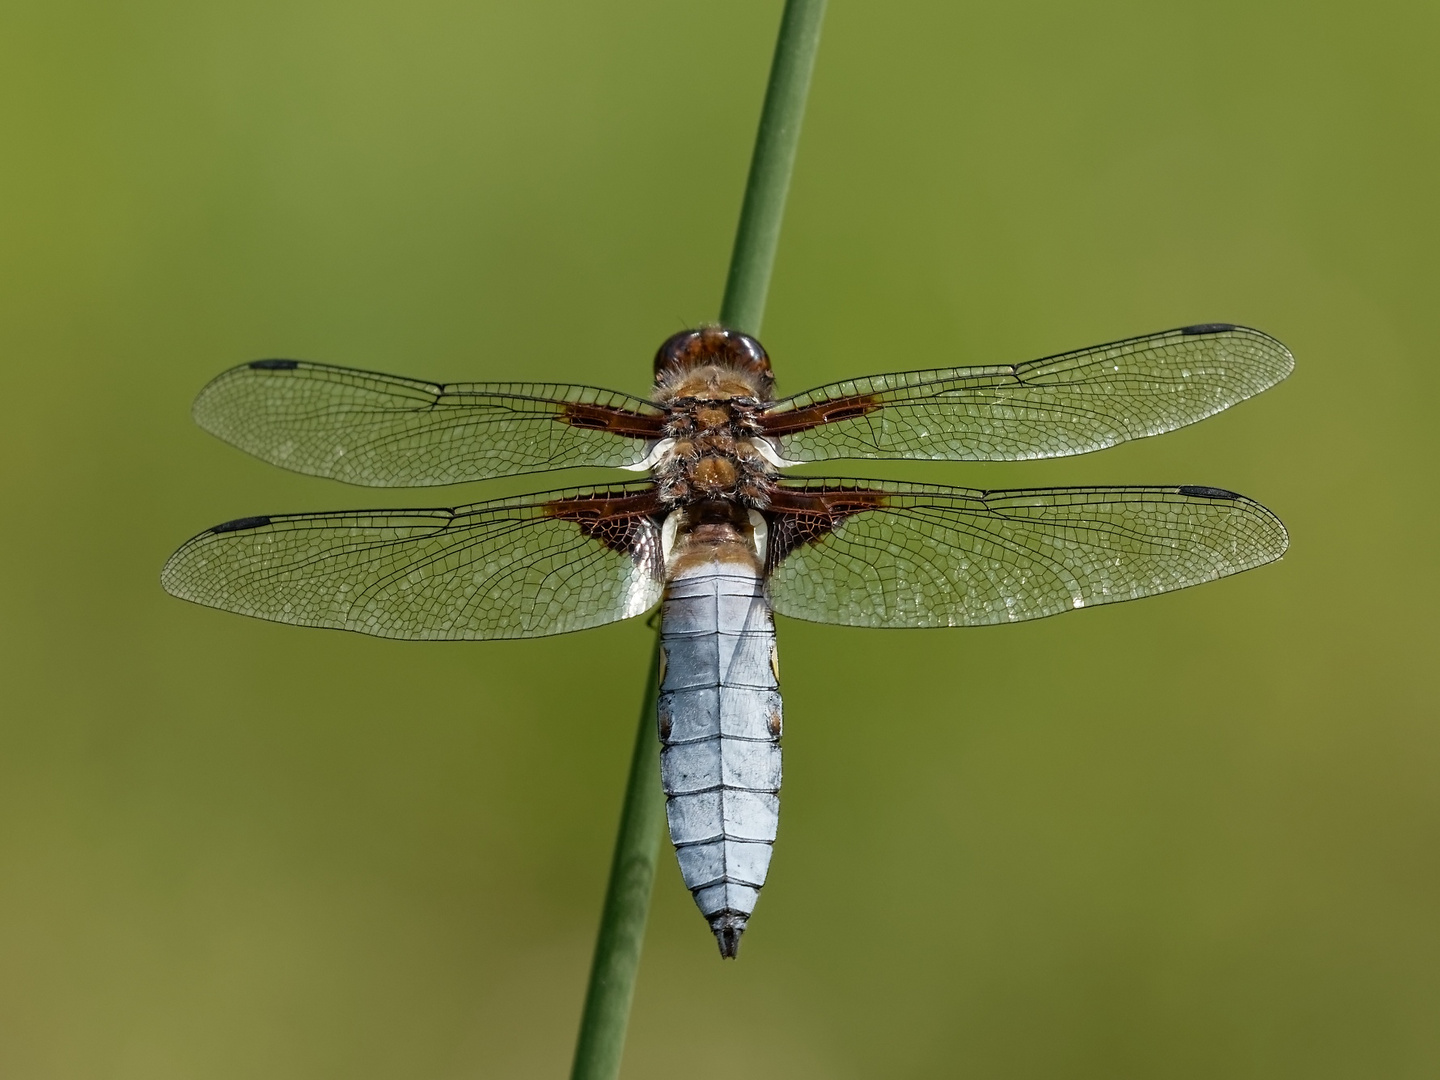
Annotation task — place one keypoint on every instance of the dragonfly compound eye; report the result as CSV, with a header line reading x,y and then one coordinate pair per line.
x,y
713,345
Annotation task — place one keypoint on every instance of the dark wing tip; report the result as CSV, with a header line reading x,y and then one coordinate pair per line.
x,y
274,365
1208,328
240,524
1278,361
1208,492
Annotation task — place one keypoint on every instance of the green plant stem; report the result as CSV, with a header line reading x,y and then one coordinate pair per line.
x,y
771,165
632,870
627,903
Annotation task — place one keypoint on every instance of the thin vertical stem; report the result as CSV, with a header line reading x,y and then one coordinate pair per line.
x,y
627,903
632,870
771,166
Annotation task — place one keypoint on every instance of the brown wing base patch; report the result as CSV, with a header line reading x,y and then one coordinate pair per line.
x,y
822,412
801,516
615,421
626,523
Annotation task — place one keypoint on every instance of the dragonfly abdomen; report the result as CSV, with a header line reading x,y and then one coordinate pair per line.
x,y
720,726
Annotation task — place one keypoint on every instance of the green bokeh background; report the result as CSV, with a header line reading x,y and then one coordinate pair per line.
x,y
1193,837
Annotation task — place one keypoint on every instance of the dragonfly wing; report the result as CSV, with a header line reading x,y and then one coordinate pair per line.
x,y
861,553
509,568
386,431
1067,404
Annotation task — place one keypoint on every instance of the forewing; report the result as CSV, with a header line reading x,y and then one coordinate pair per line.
x,y
914,555
385,431
1067,404
510,568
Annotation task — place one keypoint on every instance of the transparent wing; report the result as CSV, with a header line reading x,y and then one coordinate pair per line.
x,y
386,431
1067,404
510,568
903,555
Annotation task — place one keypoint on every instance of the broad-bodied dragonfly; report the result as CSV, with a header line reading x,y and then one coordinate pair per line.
x,y
716,536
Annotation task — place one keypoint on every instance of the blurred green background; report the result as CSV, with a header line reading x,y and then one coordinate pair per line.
x,y
1197,836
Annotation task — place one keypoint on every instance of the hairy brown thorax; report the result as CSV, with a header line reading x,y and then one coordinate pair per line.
x,y
713,383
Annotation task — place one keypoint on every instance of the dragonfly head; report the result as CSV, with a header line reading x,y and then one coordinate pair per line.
x,y
718,347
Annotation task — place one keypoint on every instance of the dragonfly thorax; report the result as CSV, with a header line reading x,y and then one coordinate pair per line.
x,y
714,448
713,384
727,469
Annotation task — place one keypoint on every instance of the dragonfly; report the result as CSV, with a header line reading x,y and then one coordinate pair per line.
x,y
716,536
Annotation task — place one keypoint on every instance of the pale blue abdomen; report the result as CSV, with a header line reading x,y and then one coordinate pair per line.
x,y
720,726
